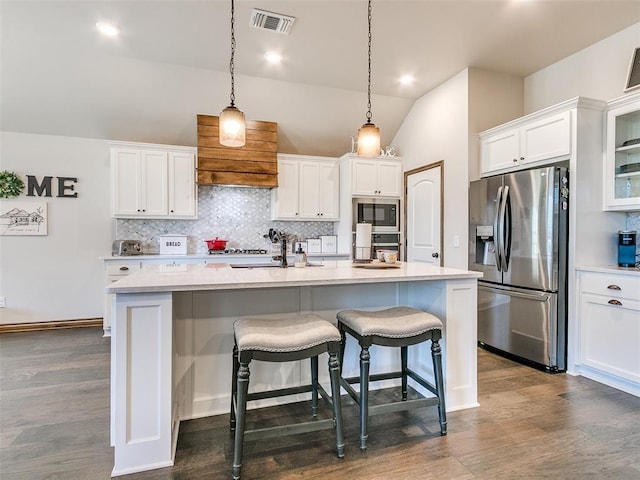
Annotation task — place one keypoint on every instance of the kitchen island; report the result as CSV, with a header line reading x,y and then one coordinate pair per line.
x,y
172,339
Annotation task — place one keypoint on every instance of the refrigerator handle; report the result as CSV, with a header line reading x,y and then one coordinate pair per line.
x,y
497,230
506,217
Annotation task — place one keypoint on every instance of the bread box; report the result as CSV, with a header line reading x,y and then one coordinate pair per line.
x,y
173,244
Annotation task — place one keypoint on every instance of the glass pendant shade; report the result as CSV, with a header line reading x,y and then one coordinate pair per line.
x,y
368,140
232,129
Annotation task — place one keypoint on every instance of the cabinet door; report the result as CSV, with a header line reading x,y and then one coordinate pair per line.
x,y
329,177
364,177
284,200
500,151
610,335
546,139
125,182
389,179
154,197
182,185
309,190
622,166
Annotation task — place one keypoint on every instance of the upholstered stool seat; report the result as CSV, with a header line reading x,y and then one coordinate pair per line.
x,y
392,327
283,340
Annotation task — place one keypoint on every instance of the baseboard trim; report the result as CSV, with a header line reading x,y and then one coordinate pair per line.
x,y
54,325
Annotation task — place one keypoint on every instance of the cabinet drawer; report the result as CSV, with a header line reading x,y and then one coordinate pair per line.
x,y
611,285
122,268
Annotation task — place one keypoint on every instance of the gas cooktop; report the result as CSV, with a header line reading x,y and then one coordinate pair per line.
x,y
239,251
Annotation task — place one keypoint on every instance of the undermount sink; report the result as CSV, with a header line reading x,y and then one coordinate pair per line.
x,y
254,265
267,265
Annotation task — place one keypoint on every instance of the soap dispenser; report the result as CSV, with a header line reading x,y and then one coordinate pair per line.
x,y
301,258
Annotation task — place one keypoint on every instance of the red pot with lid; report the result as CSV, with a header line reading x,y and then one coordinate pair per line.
x,y
216,244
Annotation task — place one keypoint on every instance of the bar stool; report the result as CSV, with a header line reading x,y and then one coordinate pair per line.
x,y
392,327
284,340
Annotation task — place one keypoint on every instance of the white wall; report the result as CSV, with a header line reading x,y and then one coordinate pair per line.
x,y
58,276
436,129
599,71
444,125
494,98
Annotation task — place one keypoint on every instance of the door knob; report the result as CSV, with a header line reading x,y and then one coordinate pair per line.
x,y
435,255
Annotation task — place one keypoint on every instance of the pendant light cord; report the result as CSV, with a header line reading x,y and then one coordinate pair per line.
x,y
233,51
369,78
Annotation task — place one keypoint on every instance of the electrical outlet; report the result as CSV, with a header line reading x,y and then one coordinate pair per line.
x,y
1,302
456,241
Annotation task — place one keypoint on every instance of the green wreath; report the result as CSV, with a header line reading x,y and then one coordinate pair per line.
x,y
11,185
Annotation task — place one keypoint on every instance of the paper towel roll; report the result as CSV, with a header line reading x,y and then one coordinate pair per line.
x,y
363,241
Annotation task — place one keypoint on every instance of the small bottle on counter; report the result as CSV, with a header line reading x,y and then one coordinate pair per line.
x,y
301,258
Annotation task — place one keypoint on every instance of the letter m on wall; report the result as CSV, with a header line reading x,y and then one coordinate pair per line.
x,y
39,188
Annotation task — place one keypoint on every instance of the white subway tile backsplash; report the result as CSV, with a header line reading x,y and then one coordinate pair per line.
x,y
240,215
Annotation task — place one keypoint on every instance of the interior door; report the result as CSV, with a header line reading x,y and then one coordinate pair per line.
x,y
424,214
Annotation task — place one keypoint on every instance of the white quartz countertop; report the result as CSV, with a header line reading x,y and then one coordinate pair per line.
x,y
212,257
610,269
220,276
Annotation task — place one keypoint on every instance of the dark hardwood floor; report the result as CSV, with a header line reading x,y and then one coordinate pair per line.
x,y
54,424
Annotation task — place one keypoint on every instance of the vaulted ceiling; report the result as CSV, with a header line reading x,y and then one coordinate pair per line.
x,y
59,76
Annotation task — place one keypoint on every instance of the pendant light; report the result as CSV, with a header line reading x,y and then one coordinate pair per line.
x,y
369,134
232,129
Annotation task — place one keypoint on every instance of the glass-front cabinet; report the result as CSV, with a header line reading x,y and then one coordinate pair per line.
x,y
622,163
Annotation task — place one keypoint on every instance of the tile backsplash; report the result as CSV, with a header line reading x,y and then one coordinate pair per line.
x,y
238,214
633,223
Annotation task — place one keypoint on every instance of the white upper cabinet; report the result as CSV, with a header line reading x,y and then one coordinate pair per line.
x,y
376,177
182,185
622,159
308,189
526,143
152,181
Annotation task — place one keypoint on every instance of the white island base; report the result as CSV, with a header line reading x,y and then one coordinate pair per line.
x,y
172,338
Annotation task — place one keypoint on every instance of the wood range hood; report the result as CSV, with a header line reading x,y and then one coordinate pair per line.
x,y
254,165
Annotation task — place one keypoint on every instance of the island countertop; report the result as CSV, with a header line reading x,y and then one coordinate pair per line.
x,y
220,276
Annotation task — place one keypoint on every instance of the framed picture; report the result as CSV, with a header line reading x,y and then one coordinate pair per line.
x,y
633,80
23,218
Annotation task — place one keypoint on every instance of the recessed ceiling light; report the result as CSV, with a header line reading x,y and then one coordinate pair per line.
x,y
273,57
407,79
107,29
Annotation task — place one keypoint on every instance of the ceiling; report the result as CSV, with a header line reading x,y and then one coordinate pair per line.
x,y
59,76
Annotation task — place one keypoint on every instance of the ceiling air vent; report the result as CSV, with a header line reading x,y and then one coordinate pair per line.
x,y
271,21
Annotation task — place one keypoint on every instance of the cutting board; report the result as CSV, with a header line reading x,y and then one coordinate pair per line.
x,y
377,265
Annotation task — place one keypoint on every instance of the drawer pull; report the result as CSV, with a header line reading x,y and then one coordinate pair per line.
x,y
614,287
124,269
614,302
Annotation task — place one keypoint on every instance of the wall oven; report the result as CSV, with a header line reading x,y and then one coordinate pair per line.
x,y
382,214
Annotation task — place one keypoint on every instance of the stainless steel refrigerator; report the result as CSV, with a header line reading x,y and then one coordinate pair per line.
x,y
518,239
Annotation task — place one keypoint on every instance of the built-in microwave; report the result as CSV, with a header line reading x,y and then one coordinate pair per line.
x,y
382,214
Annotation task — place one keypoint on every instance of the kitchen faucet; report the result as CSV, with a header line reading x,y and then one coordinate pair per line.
x,y
281,237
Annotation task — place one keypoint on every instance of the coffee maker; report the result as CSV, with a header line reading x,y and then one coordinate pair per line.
x,y
626,248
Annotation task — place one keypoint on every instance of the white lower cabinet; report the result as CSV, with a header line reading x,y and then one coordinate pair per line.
x,y
609,326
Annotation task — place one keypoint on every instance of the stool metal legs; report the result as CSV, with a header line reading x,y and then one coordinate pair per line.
x,y
334,374
314,386
404,353
240,395
436,355
364,396
243,389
